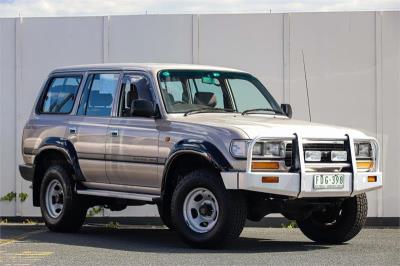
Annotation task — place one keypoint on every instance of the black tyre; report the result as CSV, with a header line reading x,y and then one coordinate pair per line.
x,y
165,215
61,210
339,224
204,213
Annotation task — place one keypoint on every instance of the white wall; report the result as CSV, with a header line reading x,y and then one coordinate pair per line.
x,y
156,38
352,61
8,147
250,42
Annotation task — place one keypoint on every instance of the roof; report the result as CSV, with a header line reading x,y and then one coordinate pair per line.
x,y
142,66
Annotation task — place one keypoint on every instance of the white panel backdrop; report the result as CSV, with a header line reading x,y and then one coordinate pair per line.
x,y
352,61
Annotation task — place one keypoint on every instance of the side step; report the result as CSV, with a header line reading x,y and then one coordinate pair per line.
x,y
116,194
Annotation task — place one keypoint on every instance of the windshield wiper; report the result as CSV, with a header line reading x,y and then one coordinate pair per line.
x,y
261,109
208,110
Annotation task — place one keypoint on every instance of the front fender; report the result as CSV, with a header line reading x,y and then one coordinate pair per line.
x,y
199,147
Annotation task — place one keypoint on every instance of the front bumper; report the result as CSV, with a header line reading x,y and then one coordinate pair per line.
x,y
27,171
293,185
300,184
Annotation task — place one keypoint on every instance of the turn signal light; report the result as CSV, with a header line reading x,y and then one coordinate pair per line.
x,y
264,165
270,179
372,178
365,164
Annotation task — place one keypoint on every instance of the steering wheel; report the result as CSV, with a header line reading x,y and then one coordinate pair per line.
x,y
179,102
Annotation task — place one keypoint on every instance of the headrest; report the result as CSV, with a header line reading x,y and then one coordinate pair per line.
x,y
143,89
65,88
205,98
100,99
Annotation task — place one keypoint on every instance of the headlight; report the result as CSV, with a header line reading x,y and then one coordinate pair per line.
x,y
363,150
275,149
365,155
239,148
265,149
258,148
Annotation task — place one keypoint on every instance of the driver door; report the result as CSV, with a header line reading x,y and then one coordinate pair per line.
x,y
132,141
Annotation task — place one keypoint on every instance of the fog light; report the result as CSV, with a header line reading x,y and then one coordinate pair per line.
x,y
338,156
313,156
372,178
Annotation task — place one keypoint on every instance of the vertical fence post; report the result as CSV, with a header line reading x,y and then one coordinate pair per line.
x,y
286,58
379,100
195,39
106,41
18,99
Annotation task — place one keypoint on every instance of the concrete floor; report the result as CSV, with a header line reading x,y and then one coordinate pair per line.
x,y
128,245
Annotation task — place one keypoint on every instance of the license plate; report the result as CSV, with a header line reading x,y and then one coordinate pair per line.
x,y
329,181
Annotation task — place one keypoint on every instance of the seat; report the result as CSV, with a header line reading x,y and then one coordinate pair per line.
x,y
143,90
99,103
205,98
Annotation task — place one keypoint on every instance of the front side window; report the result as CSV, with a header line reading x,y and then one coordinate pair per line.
x,y
187,90
98,95
134,87
61,94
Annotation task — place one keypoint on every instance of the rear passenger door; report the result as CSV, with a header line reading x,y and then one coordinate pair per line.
x,y
132,145
88,129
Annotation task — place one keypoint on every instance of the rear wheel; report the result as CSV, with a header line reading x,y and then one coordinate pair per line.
x,y
204,213
60,207
337,224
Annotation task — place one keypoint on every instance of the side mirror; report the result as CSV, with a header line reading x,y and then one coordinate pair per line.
x,y
142,108
287,109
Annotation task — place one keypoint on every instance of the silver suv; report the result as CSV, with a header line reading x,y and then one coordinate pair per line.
x,y
209,145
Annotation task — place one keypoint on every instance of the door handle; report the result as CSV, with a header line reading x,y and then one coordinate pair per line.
x,y
72,130
114,133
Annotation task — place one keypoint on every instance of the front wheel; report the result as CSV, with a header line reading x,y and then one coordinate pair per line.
x,y
204,213
337,224
164,211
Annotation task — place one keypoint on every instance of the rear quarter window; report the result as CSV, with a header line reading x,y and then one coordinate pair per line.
x,y
60,95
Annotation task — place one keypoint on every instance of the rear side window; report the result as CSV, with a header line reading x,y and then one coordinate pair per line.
x,y
98,96
60,95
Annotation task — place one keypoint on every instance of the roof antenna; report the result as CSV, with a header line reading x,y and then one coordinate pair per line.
x,y
305,77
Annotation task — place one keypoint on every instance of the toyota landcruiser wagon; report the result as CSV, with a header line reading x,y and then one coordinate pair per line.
x,y
209,146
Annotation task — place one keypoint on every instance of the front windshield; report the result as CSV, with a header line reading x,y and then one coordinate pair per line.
x,y
186,91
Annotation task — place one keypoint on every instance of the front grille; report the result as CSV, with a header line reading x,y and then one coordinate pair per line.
x,y
288,157
325,147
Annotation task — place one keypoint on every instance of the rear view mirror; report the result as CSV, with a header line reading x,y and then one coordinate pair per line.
x,y
287,109
208,80
143,108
